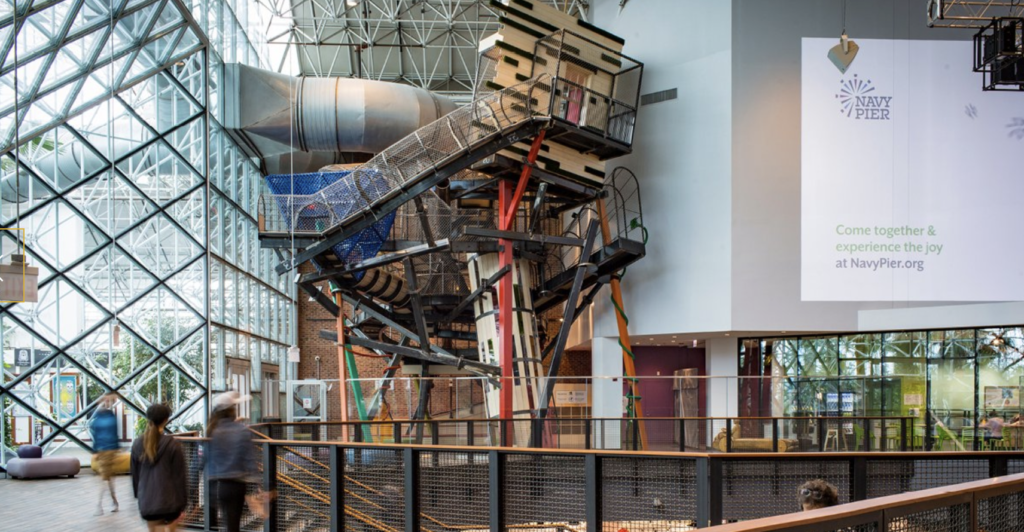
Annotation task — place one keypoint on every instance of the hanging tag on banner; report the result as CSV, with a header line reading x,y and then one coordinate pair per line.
x,y
293,353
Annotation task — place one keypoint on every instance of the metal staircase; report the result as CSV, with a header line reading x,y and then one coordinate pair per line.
x,y
410,167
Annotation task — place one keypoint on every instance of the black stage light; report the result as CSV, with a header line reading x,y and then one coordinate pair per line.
x,y
999,54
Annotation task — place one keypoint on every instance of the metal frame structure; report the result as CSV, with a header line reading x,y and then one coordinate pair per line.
x,y
136,209
432,44
973,14
337,486
461,150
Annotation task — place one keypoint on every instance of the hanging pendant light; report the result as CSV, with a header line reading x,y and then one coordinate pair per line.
x,y
19,282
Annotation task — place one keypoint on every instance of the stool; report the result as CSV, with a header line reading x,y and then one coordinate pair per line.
x,y
833,436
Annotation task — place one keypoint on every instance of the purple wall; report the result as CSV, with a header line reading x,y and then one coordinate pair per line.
x,y
657,393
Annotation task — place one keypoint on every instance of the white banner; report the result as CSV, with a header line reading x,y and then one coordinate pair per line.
x,y
912,177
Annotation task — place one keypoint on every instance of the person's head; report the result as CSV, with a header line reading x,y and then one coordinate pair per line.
x,y
816,494
225,407
1016,418
157,415
107,401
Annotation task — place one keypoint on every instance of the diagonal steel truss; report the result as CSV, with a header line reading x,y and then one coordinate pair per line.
x,y
132,199
431,44
975,14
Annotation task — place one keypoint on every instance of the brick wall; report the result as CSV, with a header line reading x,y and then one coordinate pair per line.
x,y
447,395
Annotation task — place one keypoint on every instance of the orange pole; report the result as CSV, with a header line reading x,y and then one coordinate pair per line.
x,y
627,360
342,369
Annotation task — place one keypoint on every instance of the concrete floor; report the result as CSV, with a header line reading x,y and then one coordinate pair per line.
x,y
66,504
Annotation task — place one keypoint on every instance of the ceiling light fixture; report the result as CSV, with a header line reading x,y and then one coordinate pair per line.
x,y
351,3
842,54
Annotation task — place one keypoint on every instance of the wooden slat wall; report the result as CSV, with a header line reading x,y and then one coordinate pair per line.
x,y
517,64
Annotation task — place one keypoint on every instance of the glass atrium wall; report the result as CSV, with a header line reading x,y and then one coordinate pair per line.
x,y
139,212
949,380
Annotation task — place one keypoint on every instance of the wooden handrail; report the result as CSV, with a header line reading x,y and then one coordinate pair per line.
x,y
876,506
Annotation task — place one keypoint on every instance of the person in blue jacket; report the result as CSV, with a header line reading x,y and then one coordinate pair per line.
x,y
103,428
231,461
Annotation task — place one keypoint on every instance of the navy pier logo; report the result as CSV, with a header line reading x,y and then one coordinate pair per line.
x,y
859,100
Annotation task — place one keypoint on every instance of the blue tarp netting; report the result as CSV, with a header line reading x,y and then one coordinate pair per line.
x,y
360,246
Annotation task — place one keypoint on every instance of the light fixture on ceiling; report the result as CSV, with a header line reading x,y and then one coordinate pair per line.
x,y
19,281
843,53
351,3
694,342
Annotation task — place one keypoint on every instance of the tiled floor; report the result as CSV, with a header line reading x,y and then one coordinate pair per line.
x,y
65,504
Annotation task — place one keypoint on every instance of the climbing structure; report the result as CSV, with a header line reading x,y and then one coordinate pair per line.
x,y
473,238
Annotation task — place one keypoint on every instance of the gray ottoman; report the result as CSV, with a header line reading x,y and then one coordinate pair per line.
x,y
30,463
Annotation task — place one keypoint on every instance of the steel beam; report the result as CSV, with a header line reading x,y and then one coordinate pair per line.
x,y
484,286
423,336
321,298
568,317
371,215
523,237
538,202
479,369
376,262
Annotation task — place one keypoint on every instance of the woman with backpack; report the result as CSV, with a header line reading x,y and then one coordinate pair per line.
x,y
158,473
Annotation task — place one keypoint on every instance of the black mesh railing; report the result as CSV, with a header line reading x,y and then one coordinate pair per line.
x,y
390,488
983,506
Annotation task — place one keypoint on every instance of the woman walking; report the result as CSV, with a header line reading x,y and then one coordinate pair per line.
x,y
232,460
103,427
158,473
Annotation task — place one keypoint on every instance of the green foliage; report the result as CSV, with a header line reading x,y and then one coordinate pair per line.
x,y
164,385
44,143
8,442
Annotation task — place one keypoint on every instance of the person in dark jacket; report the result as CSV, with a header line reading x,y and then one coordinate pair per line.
x,y
103,428
158,473
231,462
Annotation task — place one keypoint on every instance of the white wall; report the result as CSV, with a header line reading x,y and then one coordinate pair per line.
x,y
721,360
681,156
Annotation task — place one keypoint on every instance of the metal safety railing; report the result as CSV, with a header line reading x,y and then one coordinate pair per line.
x,y
986,505
700,434
408,161
390,488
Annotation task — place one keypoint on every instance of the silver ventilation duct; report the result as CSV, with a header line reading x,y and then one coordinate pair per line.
x,y
273,116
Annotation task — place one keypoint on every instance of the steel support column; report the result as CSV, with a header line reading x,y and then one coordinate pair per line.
x,y
342,368
508,200
505,298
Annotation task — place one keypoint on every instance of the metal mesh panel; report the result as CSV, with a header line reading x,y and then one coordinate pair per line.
x,y
303,487
547,491
649,494
892,477
866,527
762,488
406,161
1014,466
195,510
950,519
374,489
454,491
1002,513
